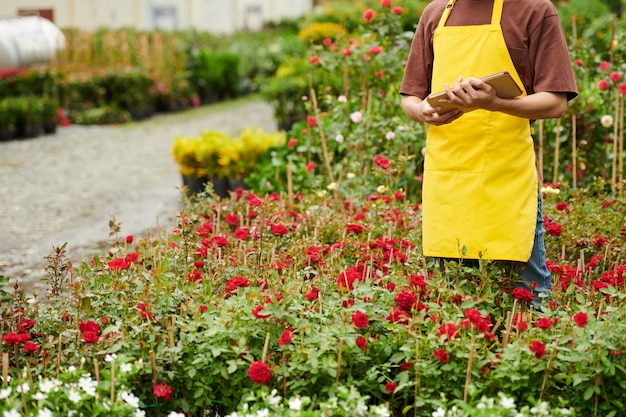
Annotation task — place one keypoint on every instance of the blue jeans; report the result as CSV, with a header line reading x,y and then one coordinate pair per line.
x,y
536,270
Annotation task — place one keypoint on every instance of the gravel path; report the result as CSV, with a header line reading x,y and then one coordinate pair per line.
x,y
64,188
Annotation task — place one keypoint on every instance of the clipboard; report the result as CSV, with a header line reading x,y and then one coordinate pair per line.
x,y
502,82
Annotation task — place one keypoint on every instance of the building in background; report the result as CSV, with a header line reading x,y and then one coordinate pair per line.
x,y
215,16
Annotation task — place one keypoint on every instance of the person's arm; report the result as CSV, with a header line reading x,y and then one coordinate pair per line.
x,y
421,111
474,93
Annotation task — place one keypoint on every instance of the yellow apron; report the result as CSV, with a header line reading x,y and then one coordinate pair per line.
x,y
480,180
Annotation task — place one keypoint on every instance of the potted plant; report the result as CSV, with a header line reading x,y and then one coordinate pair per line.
x,y
7,119
220,158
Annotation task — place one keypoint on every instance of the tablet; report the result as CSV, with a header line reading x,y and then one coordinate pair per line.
x,y
502,81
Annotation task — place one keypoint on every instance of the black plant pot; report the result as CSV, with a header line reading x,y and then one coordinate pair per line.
x,y
221,186
6,133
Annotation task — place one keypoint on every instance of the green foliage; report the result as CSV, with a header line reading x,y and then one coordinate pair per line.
x,y
214,74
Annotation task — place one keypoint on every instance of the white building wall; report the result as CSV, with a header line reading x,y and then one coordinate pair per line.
x,y
215,16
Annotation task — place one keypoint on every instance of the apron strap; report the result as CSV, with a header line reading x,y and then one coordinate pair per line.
x,y
496,14
446,14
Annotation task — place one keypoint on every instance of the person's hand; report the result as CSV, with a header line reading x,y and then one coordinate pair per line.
x,y
427,113
471,94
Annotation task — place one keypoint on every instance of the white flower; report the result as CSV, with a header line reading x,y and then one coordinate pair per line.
x,y
39,396
356,117
263,413
44,413
71,369
360,408
606,120
342,99
88,385
380,411
565,411
339,138
549,190
350,175
5,392
126,367
332,186
304,98
47,386
541,409
322,193
140,413
23,388
508,403
175,414
12,413
381,189
390,135
274,399
73,395
295,403
440,412
130,399
110,357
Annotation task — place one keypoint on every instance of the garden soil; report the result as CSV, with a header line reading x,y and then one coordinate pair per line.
x,y
66,187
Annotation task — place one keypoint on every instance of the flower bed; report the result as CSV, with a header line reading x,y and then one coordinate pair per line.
x,y
257,304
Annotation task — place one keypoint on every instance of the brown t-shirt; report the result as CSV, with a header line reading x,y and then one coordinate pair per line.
x,y
532,32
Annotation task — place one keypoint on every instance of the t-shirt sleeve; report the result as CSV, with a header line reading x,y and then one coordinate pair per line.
x,y
551,61
418,69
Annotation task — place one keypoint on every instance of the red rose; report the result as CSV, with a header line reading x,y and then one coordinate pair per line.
x,y
89,326
310,167
406,300
442,355
615,76
448,330
385,3
232,219
375,50
543,323
259,372
538,348
523,294
622,88
30,347
360,320
361,342
381,161
241,233
257,312
398,316
312,295
279,229
581,319
130,239
603,85
391,387
354,228
314,59
368,15
285,338
202,308
397,10
162,390
236,282
91,337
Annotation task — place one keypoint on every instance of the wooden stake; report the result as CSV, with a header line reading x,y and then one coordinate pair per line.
x,y
557,144
339,356
290,182
112,383
59,353
574,158
616,125
5,368
96,369
545,376
19,378
541,148
331,177
265,346
153,365
468,374
509,325
621,145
